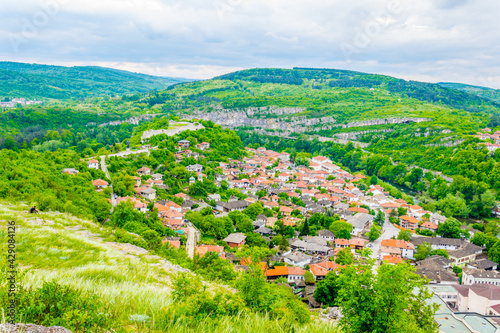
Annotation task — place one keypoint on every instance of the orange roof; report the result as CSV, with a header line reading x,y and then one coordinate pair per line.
x,y
295,270
341,241
203,249
393,259
180,195
416,207
317,270
93,161
285,209
390,205
409,219
429,225
277,271
358,210
401,244
100,182
173,243
357,241
329,265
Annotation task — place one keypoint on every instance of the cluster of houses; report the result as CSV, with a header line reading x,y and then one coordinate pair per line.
x,y
487,134
15,101
319,188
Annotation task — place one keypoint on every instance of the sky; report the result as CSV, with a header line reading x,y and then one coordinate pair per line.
x,y
426,40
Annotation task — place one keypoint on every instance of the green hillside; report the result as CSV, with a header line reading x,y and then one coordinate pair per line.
x,y
483,92
58,82
344,95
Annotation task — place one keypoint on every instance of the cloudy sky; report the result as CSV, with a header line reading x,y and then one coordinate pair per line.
x,y
429,40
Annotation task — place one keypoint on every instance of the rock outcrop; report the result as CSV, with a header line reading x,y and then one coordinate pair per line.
x,y
31,328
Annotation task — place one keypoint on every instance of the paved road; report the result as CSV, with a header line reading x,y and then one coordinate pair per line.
x,y
191,241
104,168
388,231
130,152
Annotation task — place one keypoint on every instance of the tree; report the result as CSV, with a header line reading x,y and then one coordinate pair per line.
x,y
375,232
441,252
374,180
451,229
393,300
345,257
337,227
405,235
253,210
380,218
327,290
309,278
424,250
305,228
344,234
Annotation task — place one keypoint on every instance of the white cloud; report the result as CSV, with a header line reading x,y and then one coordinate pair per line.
x,y
431,39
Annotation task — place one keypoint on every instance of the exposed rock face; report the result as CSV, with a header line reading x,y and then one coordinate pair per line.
x,y
133,120
354,135
385,121
181,127
264,118
31,328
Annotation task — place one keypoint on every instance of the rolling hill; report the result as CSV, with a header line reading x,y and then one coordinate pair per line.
x,y
59,82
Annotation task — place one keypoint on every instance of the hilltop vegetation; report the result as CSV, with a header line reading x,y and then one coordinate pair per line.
x,y
58,82
488,93
72,274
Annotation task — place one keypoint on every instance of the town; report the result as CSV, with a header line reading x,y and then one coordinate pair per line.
x,y
315,218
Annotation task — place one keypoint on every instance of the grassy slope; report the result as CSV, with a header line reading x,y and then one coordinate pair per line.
x,y
74,252
58,82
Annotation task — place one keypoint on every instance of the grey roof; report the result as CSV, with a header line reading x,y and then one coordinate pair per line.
x,y
435,261
263,230
437,216
326,233
237,238
483,264
418,240
297,257
234,204
468,250
438,275
261,217
482,274
360,220
341,206
315,240
148,191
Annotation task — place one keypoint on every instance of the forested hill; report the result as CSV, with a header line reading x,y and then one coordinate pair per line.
x,y
59,82
488,93
335,78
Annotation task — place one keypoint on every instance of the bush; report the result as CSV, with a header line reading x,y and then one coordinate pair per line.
x,y
57,305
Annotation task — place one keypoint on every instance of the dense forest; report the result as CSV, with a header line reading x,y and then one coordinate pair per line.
x,y
58,82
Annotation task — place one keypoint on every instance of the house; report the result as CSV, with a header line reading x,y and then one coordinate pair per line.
x,y
429,226
297,259
437,269
157,176
359,222
144,171
292,274
195,168
286,211
203,145
437,218
100,184
408,222
235,239
231,206
204,249
439,243
392,259
320,159
93,164
480,298
465,254
148,193
70,171
471,276
327,235
183,143
264,231
174,242
396,246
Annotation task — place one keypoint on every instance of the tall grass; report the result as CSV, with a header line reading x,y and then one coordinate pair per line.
x,y
136,291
